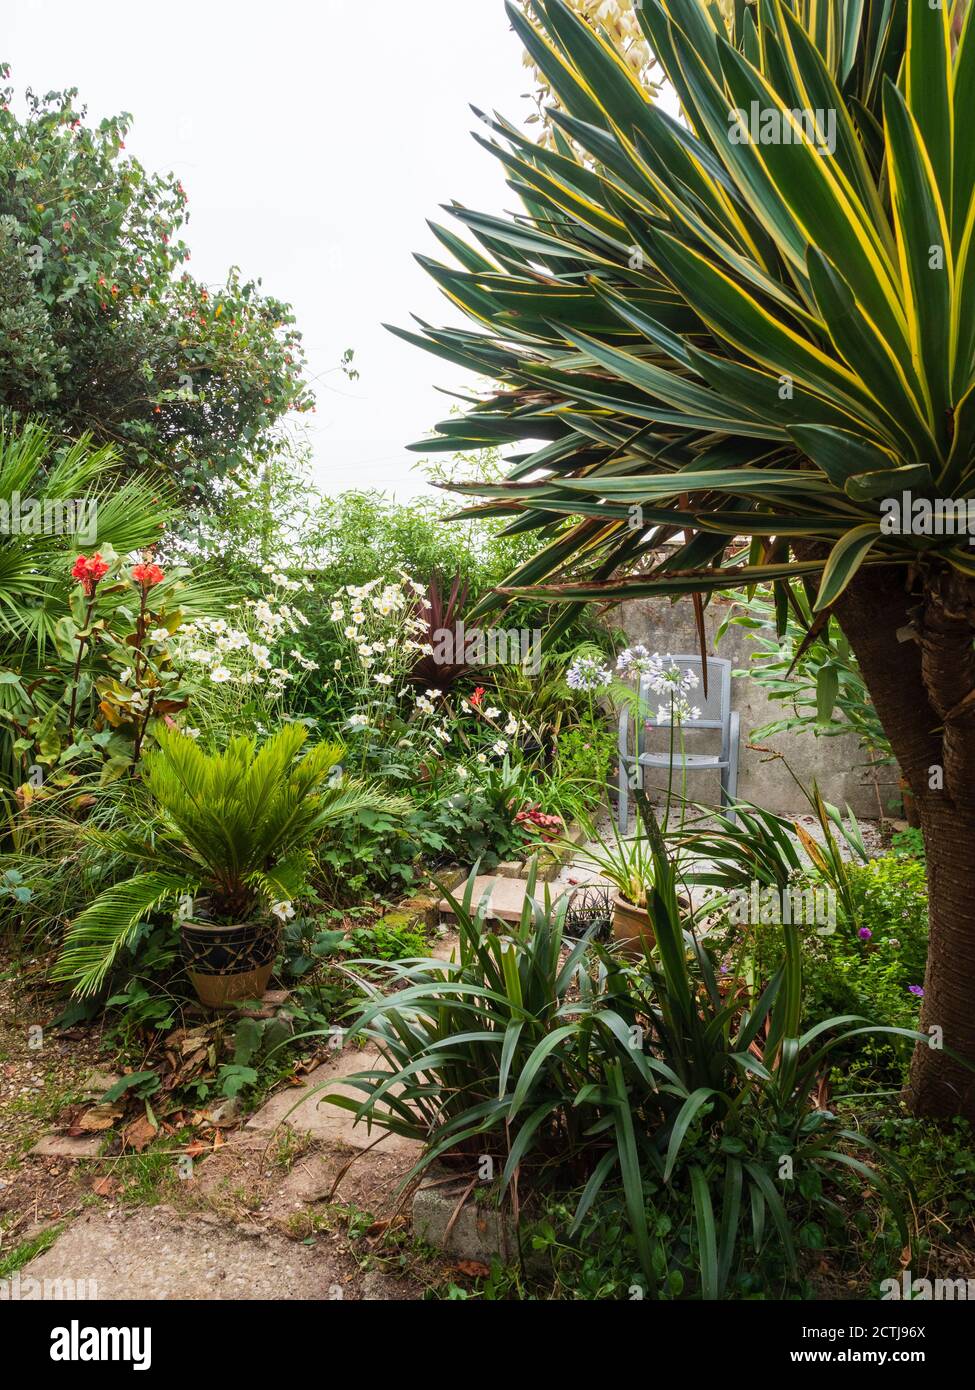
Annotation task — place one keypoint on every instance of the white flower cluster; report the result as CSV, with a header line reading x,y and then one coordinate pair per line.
x,y
244,654
617,19
665,678
588,674
383,624
636,659
283,583
373,619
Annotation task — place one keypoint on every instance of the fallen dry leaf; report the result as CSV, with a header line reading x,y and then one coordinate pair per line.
x,y
104,1187
99,1117
473,1269
139,1134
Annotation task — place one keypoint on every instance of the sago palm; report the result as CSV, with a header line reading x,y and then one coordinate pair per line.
x,y
707,337
234,826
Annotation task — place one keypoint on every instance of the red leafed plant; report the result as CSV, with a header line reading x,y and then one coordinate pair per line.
x,y
442,613
540,823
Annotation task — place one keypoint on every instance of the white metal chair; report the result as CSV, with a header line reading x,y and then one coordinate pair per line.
x,y
716,713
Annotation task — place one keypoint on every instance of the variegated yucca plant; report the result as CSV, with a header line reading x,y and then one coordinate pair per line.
x,y
706,337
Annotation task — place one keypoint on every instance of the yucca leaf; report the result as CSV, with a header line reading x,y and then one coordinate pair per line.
x,y
845,559
924,246
928,85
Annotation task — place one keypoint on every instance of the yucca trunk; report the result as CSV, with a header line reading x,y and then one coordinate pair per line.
x,y
915,649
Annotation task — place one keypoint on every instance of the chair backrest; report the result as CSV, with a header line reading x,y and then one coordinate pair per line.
x,y
715,707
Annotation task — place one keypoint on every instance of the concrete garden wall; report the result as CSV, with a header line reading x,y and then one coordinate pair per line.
x,y
835,763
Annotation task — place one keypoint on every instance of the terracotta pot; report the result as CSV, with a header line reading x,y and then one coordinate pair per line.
x,y
229,963
911,814
631,927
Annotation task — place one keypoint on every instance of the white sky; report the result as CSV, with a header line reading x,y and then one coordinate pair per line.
x,y
313,139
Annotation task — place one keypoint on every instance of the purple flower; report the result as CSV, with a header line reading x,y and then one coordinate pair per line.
x,y
864,933
917,990
588,674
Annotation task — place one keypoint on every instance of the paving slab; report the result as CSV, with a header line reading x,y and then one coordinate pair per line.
x,y
506,902
149,1254
64,1146
300,1107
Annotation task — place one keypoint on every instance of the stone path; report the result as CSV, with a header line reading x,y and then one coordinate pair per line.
x,y
250,1224
302,1110
151,1253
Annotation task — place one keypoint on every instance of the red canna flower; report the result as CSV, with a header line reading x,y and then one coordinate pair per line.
x,y
88,570
147,575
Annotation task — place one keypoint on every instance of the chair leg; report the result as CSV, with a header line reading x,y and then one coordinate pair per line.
x,y
730,775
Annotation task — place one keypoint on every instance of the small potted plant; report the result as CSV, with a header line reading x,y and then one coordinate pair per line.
x,y
229,848
628,866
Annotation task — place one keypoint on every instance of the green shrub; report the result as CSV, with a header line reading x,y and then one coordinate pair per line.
x,y
103,327
909,843
872,975
646,1086
584,755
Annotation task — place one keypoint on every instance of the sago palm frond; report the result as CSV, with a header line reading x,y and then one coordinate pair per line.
x,y
109,924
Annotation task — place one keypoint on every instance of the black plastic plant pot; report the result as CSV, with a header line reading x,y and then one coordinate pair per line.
x,y
229,963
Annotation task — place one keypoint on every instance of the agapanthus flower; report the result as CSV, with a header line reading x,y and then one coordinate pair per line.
x,y
588,674
666,678
677,712
636,659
